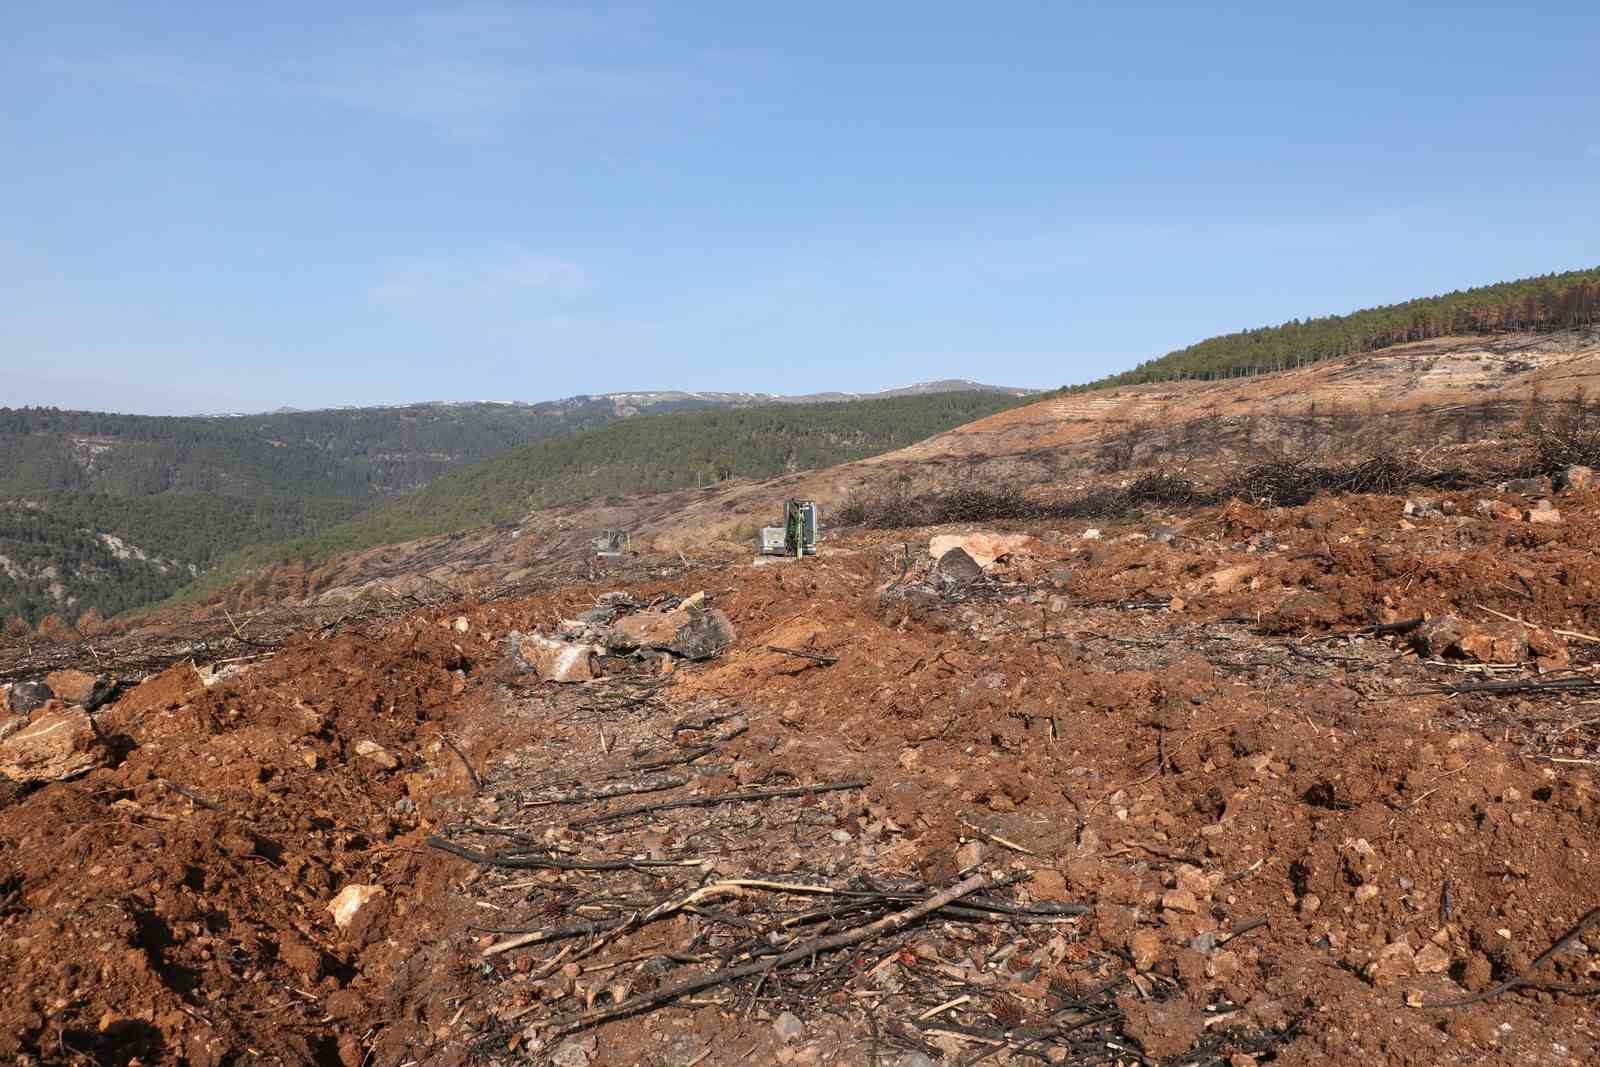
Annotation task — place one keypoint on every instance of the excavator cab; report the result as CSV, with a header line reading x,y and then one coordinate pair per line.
x,y
797,536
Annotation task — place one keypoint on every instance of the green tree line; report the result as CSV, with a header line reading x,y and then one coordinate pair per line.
x,y
1548,302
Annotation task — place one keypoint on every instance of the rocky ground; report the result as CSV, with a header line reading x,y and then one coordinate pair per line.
x,y
1223,785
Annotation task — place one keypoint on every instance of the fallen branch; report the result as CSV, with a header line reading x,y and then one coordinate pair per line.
x,y
814,657
605,792
477,783
1522,981
565,1024
1578,684
200,799
720,798
551,863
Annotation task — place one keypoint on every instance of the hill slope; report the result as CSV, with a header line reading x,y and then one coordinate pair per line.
x,y
114,511
648,453
1549,302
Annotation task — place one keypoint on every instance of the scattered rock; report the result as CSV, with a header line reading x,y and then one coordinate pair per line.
x,y
10,724
789,1028
692,630
1575,479
984,548
1431,959
462,625
1498,509
349,908
552,660
1091,534
1145,948
377,754
27,697
574,1052
1188,876
1544,513
1394,962
1162,1028
1527,486
86,690
969,855
1549,650
1449,635
1049,884
1422,509
1180,900
59,743
172,688
958,568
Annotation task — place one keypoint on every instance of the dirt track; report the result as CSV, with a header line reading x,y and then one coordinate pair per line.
x,y
1184,737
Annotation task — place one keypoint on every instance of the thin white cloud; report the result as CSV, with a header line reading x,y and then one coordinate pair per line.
x,y
510,280
470,98
468,71
144,69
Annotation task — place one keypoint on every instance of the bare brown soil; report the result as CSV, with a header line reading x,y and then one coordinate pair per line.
x,y
1288,845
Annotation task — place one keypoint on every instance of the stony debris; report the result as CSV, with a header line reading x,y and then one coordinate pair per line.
x,y
86,690
958,568
379,755
691,629
554,660
1499,509
1542,512
984,548
24,698
10,724
1395,961
1498,642
1163,1028
352,905
789,1028
574,1052
1527,486
1431,959
60,742
1575,479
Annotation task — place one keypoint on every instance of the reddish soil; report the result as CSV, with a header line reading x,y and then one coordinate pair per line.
x,y
1188,738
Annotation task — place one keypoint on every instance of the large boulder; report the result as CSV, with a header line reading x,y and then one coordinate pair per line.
x,y
59,743
958,567
1498,642
983,547
553,660
693,629
25,698
80,687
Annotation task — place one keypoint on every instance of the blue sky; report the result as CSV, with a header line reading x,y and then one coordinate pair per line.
x,y
211,207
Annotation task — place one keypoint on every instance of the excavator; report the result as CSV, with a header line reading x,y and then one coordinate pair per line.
x,y
797,536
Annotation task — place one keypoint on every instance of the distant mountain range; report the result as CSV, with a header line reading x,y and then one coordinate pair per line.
x,y
653,399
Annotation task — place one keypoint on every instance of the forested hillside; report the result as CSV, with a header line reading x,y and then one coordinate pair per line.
x,y
1548,302
641,454
112,511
